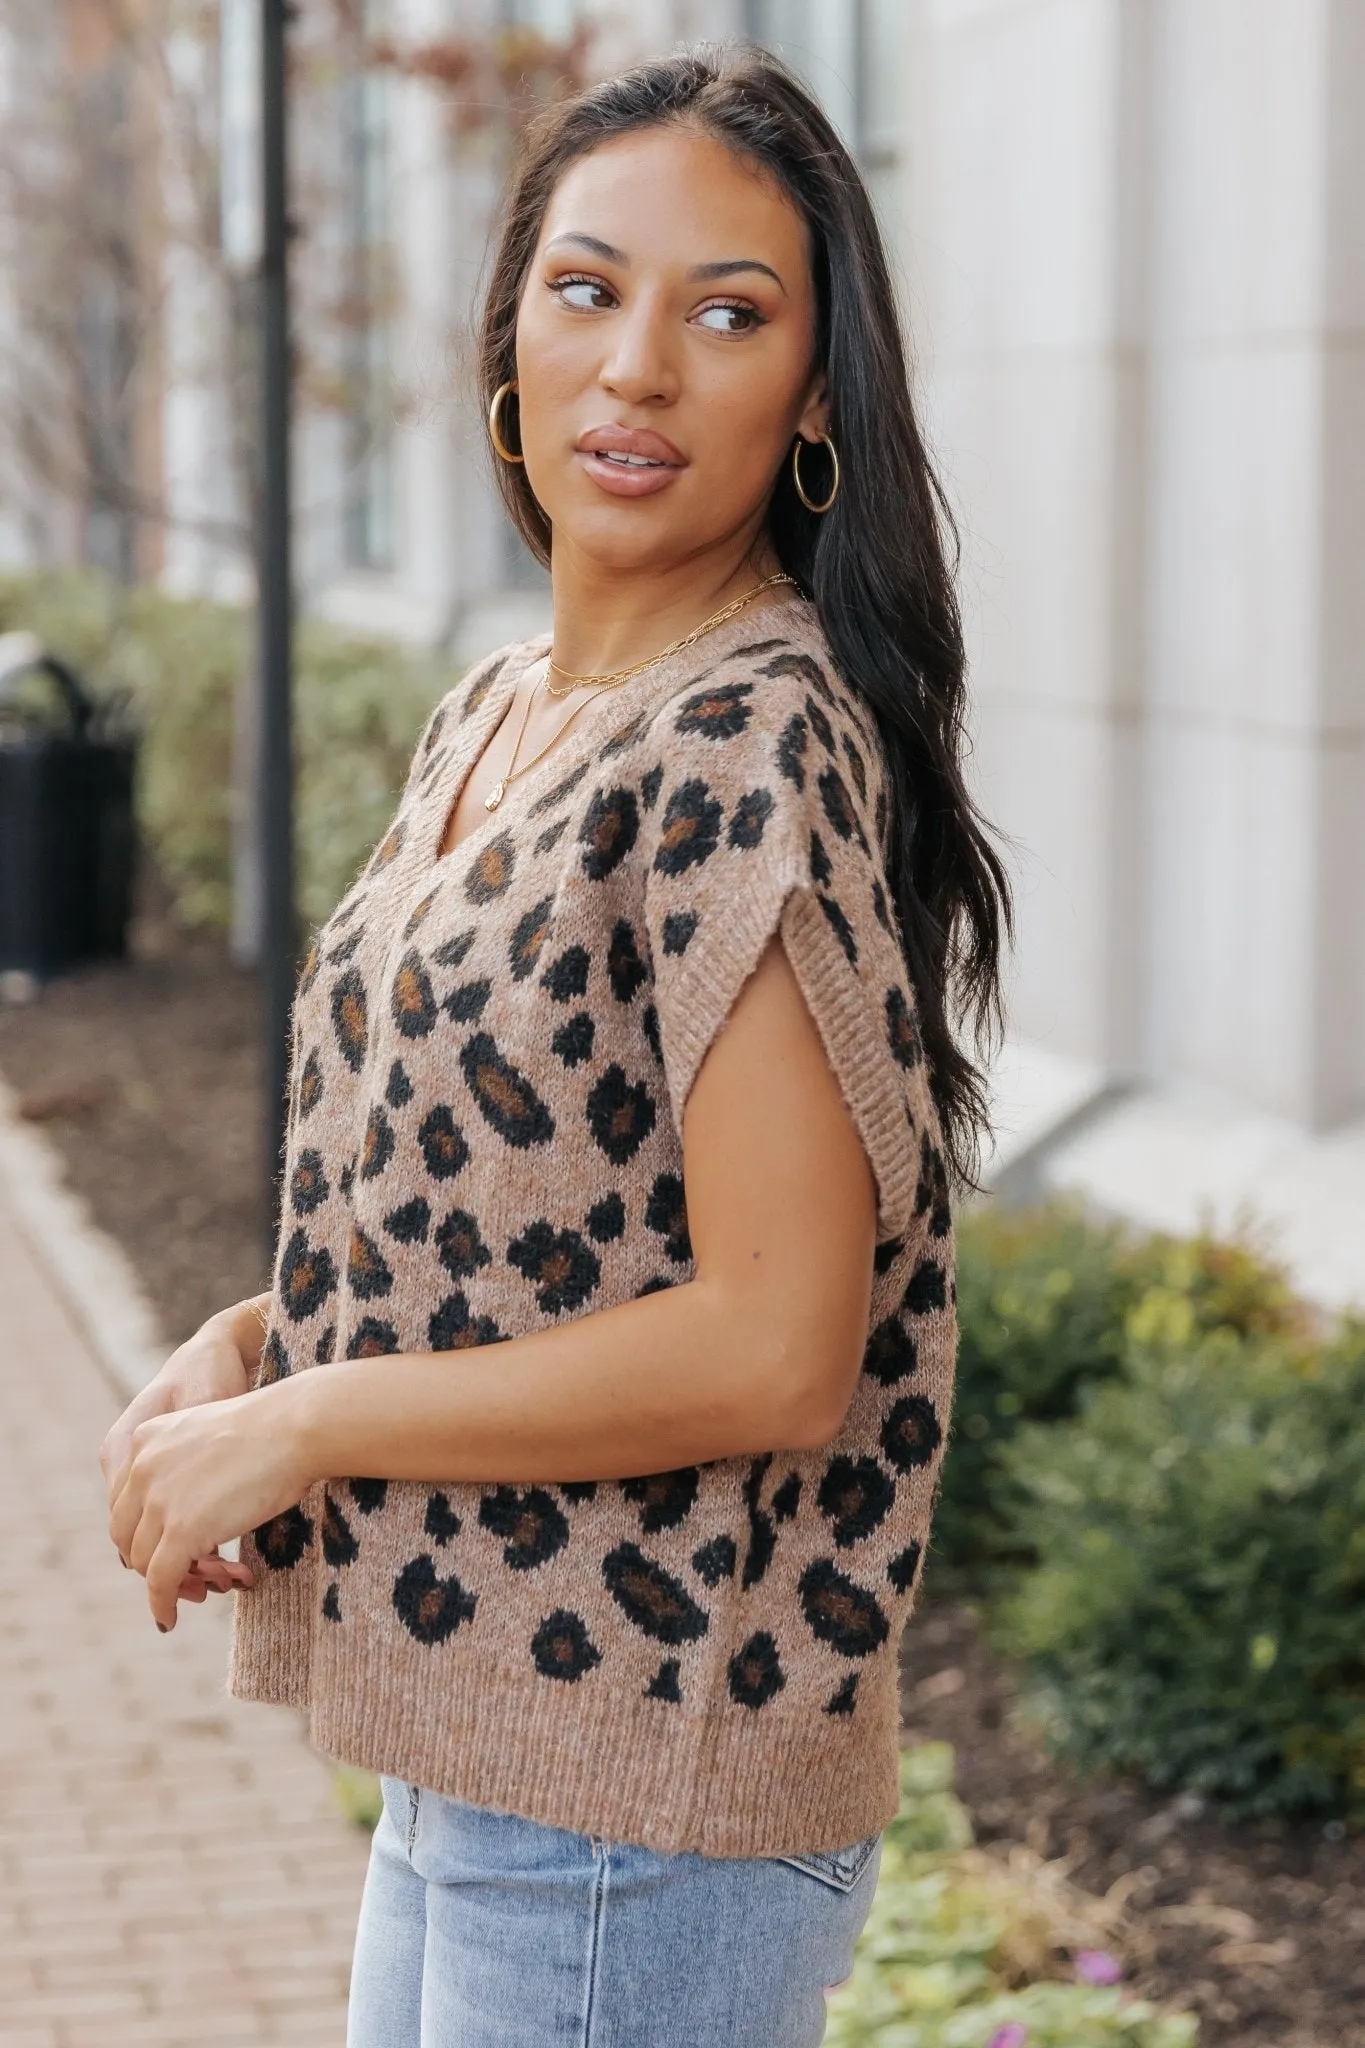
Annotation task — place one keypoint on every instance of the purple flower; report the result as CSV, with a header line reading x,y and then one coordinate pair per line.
x,y
1097,1966
1012,2036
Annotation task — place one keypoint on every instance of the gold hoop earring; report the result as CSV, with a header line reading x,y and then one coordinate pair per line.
x,y
810,503
495,425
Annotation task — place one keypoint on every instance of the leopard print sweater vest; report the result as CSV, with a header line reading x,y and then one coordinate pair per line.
x,y
491,1056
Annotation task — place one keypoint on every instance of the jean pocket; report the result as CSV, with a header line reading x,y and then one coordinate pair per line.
x,y
839,1868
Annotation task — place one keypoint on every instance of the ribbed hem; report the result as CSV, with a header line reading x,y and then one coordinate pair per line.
x,y
633,1770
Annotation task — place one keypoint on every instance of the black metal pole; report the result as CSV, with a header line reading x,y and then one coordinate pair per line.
x,y
275,599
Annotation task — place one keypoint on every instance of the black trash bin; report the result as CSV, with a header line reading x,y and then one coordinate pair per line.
x,y
66,818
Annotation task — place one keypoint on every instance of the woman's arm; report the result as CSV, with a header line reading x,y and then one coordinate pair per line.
x,y
760,1349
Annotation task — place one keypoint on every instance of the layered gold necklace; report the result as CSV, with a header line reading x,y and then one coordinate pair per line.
x,y
611,680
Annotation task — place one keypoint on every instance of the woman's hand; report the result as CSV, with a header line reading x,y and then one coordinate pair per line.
x,y
215,1364
197,1477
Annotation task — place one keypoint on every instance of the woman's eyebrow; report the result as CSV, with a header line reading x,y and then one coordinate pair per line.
x,y
700,273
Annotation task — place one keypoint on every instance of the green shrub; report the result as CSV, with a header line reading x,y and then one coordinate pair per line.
x,y
359,706
1195,1612
1046,1300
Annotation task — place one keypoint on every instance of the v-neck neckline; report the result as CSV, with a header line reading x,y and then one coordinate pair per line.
x,y
429,864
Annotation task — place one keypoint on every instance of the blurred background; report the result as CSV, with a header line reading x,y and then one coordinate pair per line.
x,y
1130,241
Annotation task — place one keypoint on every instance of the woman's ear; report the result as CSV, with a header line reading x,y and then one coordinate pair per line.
x,y
814,419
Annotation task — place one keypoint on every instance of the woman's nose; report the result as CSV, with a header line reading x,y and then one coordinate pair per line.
x,y
639,368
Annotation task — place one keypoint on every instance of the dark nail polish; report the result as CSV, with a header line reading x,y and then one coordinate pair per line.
x,y
162,1626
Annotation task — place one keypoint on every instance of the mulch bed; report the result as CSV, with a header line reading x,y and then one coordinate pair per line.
x,y
145,1075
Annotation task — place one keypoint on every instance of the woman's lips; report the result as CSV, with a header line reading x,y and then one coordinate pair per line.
x,y
629,462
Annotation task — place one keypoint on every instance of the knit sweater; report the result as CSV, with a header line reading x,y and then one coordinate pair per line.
x,y
492,1051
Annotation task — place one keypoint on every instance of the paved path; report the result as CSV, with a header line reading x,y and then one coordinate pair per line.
x,y
173,1871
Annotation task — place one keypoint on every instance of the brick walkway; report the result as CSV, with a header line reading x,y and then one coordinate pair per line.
x,y
173,1871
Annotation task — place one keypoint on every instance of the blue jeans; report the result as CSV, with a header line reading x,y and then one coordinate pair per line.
x,y
482,1930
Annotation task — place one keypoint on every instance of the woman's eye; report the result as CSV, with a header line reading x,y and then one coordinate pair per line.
x,y
725,318
586,294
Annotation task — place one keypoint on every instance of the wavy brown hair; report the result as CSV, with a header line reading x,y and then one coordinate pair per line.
x,y
878,567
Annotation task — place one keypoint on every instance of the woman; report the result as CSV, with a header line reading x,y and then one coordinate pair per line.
x,y
625,1071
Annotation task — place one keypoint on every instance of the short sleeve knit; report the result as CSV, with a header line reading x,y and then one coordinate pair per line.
x,y
769,818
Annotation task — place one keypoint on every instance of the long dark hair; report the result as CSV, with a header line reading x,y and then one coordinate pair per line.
x,y
876,566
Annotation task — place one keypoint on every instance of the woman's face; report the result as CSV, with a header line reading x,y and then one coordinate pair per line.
x,y
665,350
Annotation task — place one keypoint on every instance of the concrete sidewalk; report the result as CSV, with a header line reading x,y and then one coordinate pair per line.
x,y
173,1871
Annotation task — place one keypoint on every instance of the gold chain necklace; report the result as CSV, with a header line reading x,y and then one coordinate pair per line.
x,y
611,681
621,675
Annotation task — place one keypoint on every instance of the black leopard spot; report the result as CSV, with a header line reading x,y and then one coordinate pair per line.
x,y
886,1255
891,1353
506,1099
820,725
460,1246
606,1220
324,1351
418,915
410,1222
843,1701
881,812
331,1603
442,1142
649,1024
346,1179
307,1277
621,1115
664,1684
310,1085
339,1546
880,910
411,999
430,1608
367,1274
562,789
762,1533
715,1560
748,819
398,1091
441,1522
651,1598
931,1192
658,1285
839,805
856,767
339,955
454,952
911,1433
621,742
573,1041
819,860
478,690
550,837
491,869
562,1648
434,730
377,1148
903,1566
283,1539
372,1338
563,1267
756,1671
690,829
611,825
719,713
467,1003
274,1363
791,747
804,668
666,1214
839,1612
528,937
840,926
369,1495
626,971
787,1498
679,926
453,1328
925,1290
308,973
350,1018
308,1188
531,1524
567,976
578,1489
664,1498
902,1031
855,1496
650,784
